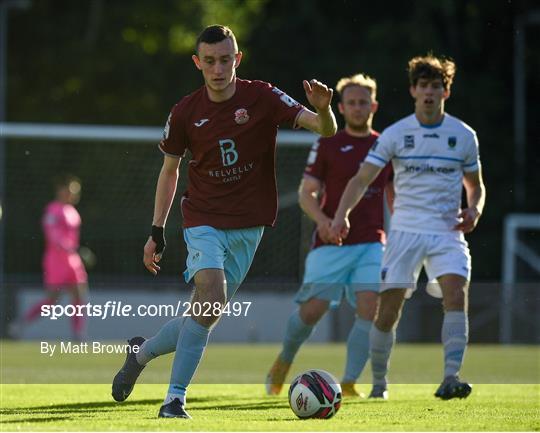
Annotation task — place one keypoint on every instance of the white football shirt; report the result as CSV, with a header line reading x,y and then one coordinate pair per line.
x,y
429,162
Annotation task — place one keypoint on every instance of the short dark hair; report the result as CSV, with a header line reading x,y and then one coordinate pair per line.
x,y
214,34
432,67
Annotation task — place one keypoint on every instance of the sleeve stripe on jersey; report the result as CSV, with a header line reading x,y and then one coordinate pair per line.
x,y
470,165
444,158
371,155
295,123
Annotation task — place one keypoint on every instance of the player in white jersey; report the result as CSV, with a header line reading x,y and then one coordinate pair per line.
x,y
433,154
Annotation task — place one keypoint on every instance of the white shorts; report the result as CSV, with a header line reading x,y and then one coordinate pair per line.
x,y
407,252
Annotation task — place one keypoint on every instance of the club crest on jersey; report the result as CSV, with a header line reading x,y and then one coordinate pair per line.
x,y
408,141
452,141
241,116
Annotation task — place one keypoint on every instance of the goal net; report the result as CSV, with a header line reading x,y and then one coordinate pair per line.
x,y
119,167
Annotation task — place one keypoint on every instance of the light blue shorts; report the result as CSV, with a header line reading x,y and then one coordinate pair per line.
x,y
332,271
231,250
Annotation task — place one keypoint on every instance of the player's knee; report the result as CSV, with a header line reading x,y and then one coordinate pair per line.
x,y
366,314
385,324
387,319
210,290
207,304
455,299
206,307
310,318
208,321
312,311
367,308
211,299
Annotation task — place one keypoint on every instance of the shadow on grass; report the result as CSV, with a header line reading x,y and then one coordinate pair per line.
x,y
260,405
75,407
197,403
35,420
33,414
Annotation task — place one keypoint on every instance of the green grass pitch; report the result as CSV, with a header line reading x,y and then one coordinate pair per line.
x,y
39,394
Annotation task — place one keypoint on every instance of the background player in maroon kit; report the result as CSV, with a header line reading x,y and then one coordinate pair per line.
x,y
352,269
229,126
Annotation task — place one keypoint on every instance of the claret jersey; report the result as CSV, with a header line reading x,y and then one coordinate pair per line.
x,y
231,174
428,162
334,161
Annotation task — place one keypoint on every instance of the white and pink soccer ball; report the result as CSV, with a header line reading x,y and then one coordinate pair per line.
x,y
315,394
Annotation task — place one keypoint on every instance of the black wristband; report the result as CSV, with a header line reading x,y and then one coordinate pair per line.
x,y
158,236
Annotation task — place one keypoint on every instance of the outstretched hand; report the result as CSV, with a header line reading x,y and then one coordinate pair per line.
x,y
318,94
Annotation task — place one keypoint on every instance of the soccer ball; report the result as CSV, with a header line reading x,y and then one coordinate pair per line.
x,y
315,394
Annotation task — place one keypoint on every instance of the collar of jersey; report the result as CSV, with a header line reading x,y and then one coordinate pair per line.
x,y
432,126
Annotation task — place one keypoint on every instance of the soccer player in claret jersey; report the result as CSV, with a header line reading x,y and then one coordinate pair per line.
x,y
353,268
433,155
63,268
229,126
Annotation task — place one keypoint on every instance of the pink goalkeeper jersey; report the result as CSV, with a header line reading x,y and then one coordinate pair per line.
x,y
62,264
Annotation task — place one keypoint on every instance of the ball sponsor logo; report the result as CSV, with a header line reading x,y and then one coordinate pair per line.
x,y
300,401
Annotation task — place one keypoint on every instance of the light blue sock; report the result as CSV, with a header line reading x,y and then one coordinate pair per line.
x,y
357,350
190,347
380,346
454,335
297,332
162,343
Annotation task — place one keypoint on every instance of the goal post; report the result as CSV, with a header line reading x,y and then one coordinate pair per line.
x,y
514,248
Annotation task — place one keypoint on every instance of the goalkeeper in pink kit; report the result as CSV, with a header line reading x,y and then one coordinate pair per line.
x,y
63,268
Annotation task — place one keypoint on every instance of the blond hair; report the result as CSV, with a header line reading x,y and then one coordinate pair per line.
x,y
361,80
